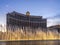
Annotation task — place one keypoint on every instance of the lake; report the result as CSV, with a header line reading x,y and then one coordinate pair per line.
x,y
29,42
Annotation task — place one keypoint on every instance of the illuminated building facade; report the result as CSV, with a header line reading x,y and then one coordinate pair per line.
x,y
15,19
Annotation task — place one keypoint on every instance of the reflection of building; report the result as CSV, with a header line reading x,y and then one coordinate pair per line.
x,y
21,20
55,27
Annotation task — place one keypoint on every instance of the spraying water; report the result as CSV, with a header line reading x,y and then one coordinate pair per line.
x,y
29,34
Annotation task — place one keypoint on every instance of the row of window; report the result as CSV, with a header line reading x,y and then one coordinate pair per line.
x,y
25,18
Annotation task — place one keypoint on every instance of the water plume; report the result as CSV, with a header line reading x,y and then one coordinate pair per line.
x,y
29,34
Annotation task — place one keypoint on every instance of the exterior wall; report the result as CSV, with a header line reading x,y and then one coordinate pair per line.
x,y
55,27
21,20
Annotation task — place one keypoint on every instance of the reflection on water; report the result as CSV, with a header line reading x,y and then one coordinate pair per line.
x,y
30,43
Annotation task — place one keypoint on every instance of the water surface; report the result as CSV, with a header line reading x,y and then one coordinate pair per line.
x,y
30,43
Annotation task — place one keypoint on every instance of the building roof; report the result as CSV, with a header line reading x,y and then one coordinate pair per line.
x,y
55,26
14,12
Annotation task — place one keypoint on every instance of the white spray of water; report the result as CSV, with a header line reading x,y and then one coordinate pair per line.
x,y
22,34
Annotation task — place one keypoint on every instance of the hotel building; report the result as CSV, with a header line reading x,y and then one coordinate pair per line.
x,y
15,19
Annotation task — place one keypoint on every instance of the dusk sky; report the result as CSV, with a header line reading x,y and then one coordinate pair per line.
x,y
47,8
